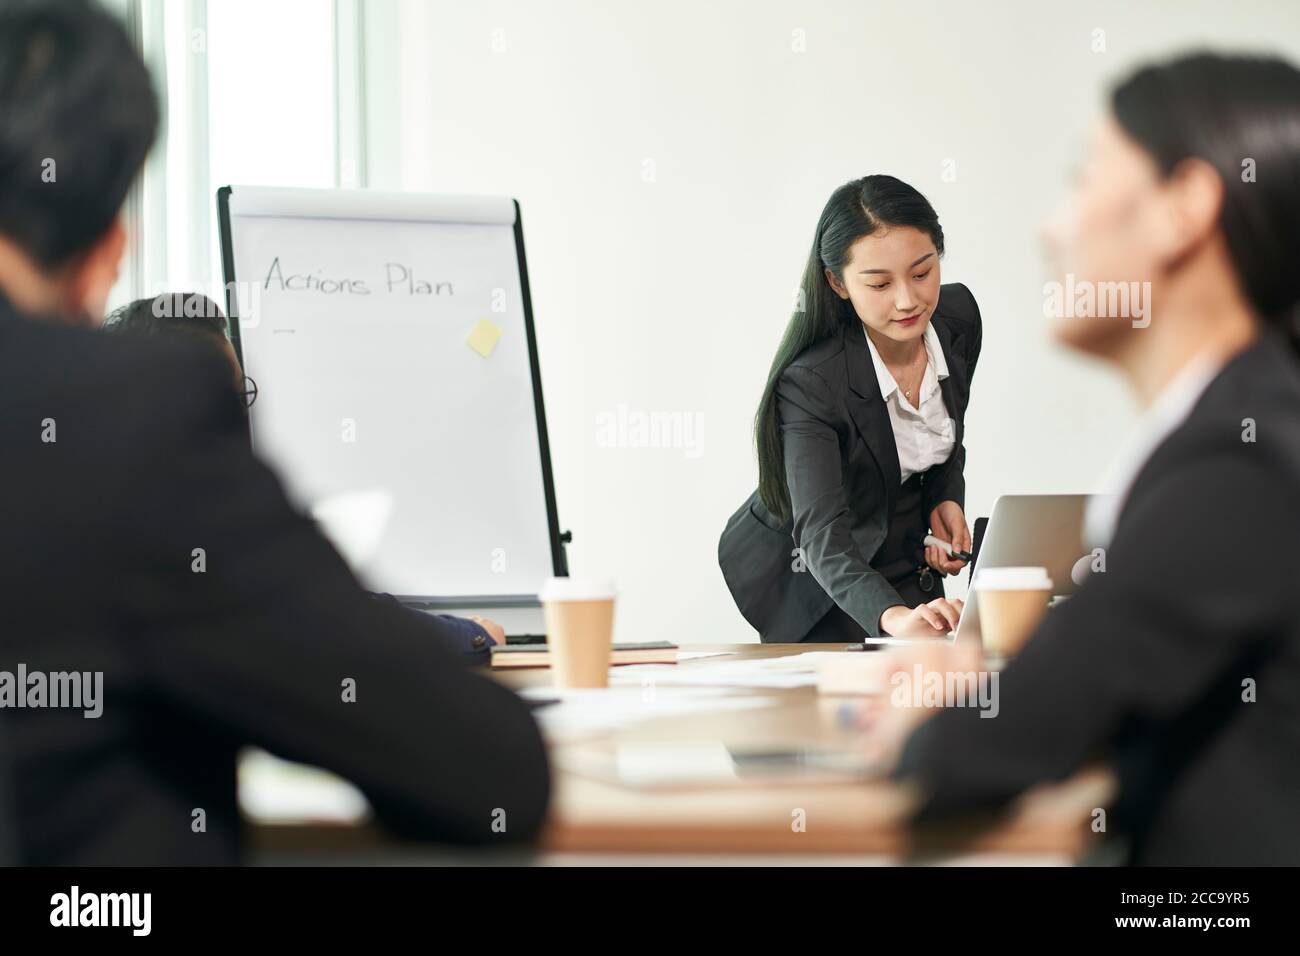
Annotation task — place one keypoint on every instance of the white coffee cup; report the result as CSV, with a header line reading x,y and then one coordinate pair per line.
x,y
579,615
1012,602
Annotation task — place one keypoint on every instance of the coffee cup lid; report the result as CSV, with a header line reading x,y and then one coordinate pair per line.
x,y
1012,579
576,589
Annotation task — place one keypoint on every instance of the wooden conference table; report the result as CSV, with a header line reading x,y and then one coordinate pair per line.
x,y
597,821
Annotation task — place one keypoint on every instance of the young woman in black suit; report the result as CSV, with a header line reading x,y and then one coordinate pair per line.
x,y
1188,687
859,434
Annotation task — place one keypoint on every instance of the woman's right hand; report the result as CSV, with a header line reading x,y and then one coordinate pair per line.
x,y
934,619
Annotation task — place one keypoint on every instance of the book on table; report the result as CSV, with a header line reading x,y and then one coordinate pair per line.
x,y
539,655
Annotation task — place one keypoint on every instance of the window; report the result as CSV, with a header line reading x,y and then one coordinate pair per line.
x,y
249,95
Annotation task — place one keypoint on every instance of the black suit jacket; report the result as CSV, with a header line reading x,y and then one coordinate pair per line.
x,y
841,465
97,573
1155,677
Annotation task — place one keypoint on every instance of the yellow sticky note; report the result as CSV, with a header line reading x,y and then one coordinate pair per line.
x,y
483,337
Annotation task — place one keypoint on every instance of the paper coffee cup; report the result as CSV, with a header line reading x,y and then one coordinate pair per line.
x,y
1012,602
579,615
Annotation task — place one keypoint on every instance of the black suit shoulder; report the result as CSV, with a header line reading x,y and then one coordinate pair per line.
x,y
958,314
1261,390
91,358
824,358
1252,405
957,306
150,390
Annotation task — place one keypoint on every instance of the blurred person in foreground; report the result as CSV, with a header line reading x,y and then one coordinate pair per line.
x,y
1186,683
143,541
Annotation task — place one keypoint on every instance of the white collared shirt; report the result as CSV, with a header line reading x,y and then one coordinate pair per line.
x,y
924,433
1158,422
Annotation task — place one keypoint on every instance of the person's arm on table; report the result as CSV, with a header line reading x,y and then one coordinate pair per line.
x,y
473,637
1127,645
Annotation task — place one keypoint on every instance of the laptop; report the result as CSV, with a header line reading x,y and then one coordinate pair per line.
x,y
1023,531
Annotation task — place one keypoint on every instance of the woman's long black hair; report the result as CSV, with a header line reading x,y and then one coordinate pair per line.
x,y
1241,114
856,209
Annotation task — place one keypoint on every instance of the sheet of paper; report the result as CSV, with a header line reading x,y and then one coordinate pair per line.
x,y
799,670
578,712
808,661
664,764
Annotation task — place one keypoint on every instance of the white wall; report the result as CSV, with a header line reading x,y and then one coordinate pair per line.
x,y
671,294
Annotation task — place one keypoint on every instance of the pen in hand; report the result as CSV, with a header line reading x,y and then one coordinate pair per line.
x,y
946,547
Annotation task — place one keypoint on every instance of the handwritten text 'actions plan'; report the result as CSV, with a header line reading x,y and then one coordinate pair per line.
x,y
398,279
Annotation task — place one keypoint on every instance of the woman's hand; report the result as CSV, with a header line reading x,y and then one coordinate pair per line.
x,y
935,619
947,521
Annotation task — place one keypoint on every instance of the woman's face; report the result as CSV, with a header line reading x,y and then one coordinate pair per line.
x,y
892,279
1106,240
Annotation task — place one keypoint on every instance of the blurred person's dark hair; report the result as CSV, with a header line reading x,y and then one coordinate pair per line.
x,y
1228,110
168,313
188,314
78,114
